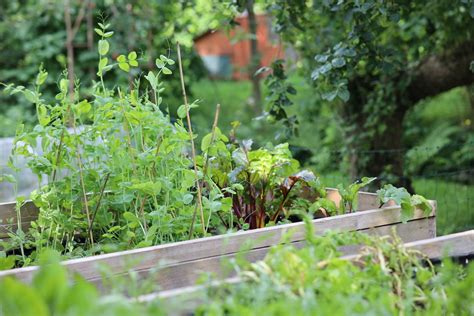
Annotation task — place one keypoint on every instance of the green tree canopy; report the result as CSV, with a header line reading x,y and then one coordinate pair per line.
x,y
376,59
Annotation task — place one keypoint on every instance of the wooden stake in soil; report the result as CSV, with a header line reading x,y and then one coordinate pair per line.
x,y
190,130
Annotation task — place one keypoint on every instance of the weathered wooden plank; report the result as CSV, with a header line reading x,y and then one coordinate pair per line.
x,y
202,248
454,245
211,247
9,219
187,273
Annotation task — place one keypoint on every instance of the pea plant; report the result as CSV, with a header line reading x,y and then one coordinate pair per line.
x,y
115,168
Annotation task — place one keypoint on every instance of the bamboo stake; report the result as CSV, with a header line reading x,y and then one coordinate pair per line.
x,y
190,130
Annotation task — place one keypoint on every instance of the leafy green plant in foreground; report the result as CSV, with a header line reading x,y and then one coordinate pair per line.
x,y
386,279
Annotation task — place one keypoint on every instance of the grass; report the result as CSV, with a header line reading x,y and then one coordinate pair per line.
x,y
455,211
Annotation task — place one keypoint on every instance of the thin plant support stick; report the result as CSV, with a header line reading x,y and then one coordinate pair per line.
x,y
193,149
213,133
98,203
83,186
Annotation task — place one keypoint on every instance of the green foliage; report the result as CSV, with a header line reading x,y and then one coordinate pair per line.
x,y
279,90
373,38
114,165
386,279
142,27
54,292
407,202
118,174
349,194
364,57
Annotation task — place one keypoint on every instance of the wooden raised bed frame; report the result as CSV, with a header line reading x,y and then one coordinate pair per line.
x,y
454,245
181,263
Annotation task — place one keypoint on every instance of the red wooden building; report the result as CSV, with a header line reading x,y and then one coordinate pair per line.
x,y
227,54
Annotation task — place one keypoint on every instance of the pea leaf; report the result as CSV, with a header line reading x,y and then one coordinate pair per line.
x,y
103,47
124,67
132,56
122,59
182,111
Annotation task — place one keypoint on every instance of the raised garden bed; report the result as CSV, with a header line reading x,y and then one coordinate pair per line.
x,y
183,262
459,245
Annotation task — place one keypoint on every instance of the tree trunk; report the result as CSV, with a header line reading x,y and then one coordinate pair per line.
x,y
254,57
69,48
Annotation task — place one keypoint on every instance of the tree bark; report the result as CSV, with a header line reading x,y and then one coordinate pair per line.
x,y
439,73
254,57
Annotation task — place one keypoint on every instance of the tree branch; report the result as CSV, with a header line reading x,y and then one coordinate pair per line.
x,y
439,73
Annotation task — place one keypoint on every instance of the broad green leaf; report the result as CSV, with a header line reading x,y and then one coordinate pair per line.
x,y
206,142
389,192
83,107
182,111
103,62
338,62
159,63
167,71
124,67
407,210
122,59
41,77
132,56
187,198
421,203
43,116
103,47
129,216
343,94
151,188
6,262
99,31
152,80
30,96
133,63
108,34
330,96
